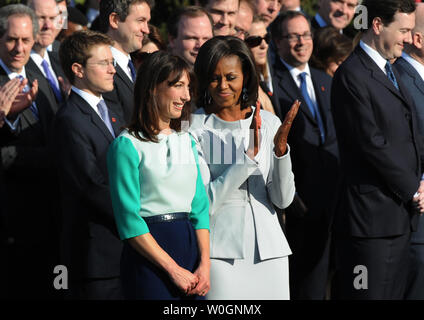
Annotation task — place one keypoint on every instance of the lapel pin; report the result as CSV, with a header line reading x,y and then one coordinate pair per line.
x,y
322,88
113,119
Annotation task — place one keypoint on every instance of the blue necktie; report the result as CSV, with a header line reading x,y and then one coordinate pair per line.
x,y
132,68
104,114
390,74
312,107
33,106
51,80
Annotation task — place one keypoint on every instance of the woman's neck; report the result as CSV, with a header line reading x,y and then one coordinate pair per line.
x,y
234,113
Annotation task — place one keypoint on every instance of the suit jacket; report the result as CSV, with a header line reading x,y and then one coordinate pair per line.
x,y
90,246
315,164
25,168
415,85
121,96
43,84
380,150
236,184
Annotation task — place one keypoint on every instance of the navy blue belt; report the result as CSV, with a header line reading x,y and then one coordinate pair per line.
x,y
167,217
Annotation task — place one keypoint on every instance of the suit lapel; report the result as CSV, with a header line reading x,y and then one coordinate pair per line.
x,y
378,75
319,89
287,84
91,114
410,70
123,76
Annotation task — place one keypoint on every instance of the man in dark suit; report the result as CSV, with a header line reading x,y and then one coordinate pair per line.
x,y
125,21
46,64
381,157
314,154
83,129
411,71
25,163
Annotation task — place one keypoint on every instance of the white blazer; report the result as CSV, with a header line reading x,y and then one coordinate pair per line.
x,y
234,181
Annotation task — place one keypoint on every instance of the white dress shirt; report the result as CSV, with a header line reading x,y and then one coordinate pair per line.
x,y
375,56
91,99
417,66
122,60
295,72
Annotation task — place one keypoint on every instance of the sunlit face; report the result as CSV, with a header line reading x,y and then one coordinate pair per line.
x,y
243,21
132,30
268,9
49,20
172,98
391,38
259,52
192,34
297,51
224,13
99,70
17,42
337,13
227,83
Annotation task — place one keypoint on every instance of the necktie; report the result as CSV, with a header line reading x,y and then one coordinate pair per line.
x,y
132,68
104,114
391,75
33,106
312,107
51,80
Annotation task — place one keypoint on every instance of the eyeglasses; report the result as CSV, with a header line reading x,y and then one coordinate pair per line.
x,y
104,63
296,37
255,41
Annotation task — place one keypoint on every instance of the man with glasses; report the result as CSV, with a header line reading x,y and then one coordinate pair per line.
x,y
314,154
411,71
83,129
224,13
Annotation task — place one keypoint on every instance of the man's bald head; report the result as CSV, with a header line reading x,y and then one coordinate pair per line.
x,y
419,18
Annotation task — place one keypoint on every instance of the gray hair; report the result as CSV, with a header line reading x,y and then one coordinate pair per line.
x,y
18,10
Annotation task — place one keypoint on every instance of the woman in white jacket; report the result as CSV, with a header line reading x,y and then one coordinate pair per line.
x,y
246,168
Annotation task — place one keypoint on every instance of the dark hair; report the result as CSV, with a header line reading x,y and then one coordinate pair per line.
x,y
190,12
76,47
204,3
155,37
120,7
160,66
211,53
277,30
329,46
386,9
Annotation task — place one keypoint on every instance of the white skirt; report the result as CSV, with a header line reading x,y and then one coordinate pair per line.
x,y
249,278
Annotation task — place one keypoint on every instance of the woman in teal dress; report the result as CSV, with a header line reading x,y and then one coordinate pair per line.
x,y
159,201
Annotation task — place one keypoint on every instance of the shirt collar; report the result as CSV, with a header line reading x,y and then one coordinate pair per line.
x,y
91,99
38,59
295,71
417,66
120,57
10,74
374,55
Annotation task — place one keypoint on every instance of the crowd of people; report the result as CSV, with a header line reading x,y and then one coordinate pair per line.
x,y
252,152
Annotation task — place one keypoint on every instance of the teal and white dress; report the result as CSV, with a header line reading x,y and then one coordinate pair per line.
x,y
148,179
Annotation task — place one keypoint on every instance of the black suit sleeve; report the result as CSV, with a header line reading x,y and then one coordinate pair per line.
x,y
78,169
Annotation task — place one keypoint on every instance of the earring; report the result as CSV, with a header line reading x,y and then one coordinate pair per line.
x,y
244,96
207,99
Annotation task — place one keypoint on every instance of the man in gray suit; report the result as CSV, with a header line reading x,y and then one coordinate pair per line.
x,y
411,70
